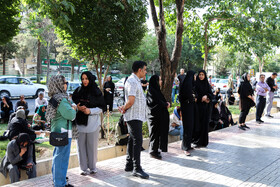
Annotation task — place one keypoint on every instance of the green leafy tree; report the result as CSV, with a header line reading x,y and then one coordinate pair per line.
x,y
7,51
258,32
103,32
10,20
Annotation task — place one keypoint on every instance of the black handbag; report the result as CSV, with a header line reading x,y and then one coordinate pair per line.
x,y
59,139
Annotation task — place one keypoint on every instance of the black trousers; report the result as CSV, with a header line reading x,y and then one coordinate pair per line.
x,y
244,112
261,101
134,143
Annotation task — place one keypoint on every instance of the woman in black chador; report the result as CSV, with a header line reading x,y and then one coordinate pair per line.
x,y
187,100
245,92
204,108
109,88
158,118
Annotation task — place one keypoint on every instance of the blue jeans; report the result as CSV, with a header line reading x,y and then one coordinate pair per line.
x,y
179,130
174,92
61,156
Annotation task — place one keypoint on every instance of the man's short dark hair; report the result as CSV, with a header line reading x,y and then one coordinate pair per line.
x,y
138,65
262,75
274,73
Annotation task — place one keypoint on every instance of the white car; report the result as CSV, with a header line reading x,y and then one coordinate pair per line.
x,y
120,84
214,81
13,86
223,85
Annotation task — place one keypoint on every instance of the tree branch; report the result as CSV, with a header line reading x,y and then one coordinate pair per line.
x,y
176,54
154,14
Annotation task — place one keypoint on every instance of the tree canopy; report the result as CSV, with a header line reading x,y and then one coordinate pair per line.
x,y
10,19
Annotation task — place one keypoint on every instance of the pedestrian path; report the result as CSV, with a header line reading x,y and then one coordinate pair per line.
x,y
233,158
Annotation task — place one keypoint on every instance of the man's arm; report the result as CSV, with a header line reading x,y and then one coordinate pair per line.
x,y
128,104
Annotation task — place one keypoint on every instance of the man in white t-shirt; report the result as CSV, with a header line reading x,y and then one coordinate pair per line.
x,y
134,112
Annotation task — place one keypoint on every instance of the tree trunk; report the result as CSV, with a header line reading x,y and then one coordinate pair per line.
x,y
72,71
39,64
48,59
4,63
168,66
79,67
205,45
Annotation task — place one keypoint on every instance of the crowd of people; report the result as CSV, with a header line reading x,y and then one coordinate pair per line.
x,y
201,110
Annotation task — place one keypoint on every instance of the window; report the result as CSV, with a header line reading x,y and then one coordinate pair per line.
x,y
23,81
2,81
11,81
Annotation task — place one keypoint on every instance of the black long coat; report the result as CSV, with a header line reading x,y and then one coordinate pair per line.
x,y
204,111
187,101
158,119
109,96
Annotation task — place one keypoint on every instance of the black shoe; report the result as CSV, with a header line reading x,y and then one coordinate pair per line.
x,y
69,185
155,155
245,126
270,116
128,167
140,173
261,121
258,122
235,123
241,127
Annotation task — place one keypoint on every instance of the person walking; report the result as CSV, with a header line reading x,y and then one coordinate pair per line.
x,y
245,92
187,100
261,89
90,103
109,90
158,118
271,83
134,112
182,76
60,114
204,108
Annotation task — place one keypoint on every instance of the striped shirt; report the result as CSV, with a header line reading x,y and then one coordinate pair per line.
x,y
138,110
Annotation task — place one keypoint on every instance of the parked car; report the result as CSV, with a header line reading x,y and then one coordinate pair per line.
x,y
72,86
120,84
277,92
13,86
223,85
214,81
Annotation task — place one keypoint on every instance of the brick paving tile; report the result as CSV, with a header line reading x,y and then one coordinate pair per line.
x,y
232,158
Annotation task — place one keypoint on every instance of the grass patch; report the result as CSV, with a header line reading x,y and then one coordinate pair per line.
x,y
234,109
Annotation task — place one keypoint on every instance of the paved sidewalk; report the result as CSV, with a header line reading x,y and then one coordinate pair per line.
x,y
233,158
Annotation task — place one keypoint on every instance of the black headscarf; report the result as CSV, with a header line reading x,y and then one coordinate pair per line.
x,y
22,137
186,88
154,95
245,88
109,84
7,99
89,96
203,87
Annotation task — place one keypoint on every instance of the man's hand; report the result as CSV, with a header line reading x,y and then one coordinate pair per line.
x,y
265,89
221,121
121,109
22,151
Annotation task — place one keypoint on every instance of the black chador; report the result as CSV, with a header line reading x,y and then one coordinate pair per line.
x,y
158,117
187,100
204,109
109,95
